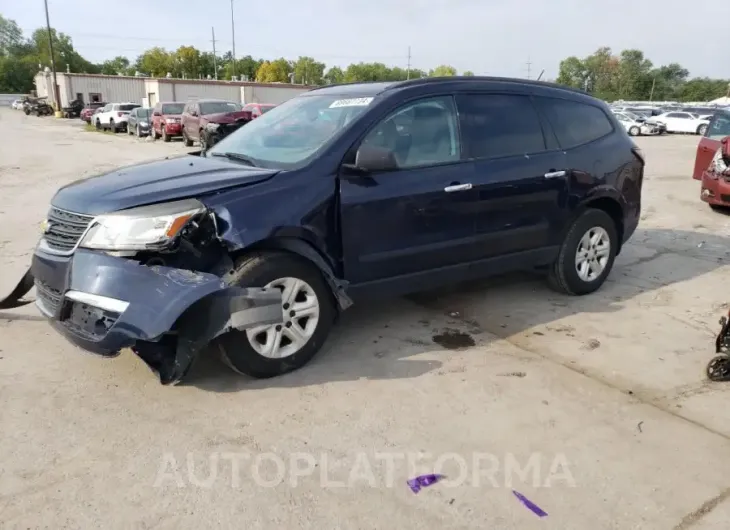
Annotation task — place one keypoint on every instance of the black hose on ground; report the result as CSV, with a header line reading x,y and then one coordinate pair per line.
x,y
13,299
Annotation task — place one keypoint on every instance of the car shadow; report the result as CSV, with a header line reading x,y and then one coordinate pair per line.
x,y
403,338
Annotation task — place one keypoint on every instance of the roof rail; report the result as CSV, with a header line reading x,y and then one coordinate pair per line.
x,y
472,79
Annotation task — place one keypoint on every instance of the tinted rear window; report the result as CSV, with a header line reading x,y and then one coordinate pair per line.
x,y
719,126
499,125
128,107
173,108
264,110
575,123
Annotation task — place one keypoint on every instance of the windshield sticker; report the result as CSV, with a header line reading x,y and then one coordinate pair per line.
x,y
356,102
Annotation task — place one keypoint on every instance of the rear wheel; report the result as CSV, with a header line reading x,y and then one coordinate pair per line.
x,y
308,314
702,129
634,131
586,255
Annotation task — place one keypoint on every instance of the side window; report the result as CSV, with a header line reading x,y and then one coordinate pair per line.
x,y
421,133
575,123
496,125
719,127
109,107
673,115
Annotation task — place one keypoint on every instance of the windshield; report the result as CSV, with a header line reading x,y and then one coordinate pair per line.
x,y
173,108
289,134
218,107
144,113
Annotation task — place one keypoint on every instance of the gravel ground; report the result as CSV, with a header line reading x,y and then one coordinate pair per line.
x,y
594,408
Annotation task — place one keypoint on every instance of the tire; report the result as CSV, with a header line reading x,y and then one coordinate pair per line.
x,y
634,131
260,269
98,125
702,129
563,275
188,142
165,137
112,126
129,131
203,140
139,132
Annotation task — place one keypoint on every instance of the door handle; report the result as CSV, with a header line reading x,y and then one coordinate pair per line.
x,y
457,187
554,174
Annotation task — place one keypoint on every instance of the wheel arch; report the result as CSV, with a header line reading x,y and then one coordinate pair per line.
x,y
307,250
611,204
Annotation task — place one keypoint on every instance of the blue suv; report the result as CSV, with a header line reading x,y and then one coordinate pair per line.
x,y
253,247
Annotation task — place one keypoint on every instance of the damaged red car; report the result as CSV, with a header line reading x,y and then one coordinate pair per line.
x,y
167,120
715,188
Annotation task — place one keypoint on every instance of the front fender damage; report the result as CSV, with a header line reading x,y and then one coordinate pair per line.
x,y
233,308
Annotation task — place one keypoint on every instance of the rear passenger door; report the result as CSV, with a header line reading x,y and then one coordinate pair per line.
x,y
519,174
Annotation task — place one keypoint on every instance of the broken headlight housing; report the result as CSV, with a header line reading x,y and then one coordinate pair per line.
x,y
143,228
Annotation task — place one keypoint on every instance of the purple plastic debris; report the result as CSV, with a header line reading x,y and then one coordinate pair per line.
x,y
423,481
531,505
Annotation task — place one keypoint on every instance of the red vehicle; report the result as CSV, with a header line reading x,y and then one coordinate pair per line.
x,y
89,110
209,120
257,109
715,189
167,120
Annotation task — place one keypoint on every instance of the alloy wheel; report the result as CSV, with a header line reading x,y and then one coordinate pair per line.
x,y
300,309
592,254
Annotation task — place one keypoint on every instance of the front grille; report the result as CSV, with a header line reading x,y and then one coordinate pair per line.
x,y
65,229
48,296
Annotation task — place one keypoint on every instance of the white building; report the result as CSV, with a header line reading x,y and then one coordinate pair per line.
x,y
114,88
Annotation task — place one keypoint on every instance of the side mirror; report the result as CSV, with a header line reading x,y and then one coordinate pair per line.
x,y
371,158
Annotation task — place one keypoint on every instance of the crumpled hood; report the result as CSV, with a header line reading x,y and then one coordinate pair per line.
x,y
152,182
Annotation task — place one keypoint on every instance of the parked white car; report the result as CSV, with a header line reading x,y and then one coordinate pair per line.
x,y
637,125
114,116
682,122
17,104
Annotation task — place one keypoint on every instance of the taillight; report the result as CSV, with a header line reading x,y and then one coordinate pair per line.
x,y
120,114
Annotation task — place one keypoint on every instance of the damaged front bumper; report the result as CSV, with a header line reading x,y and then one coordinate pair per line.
x,y
104,303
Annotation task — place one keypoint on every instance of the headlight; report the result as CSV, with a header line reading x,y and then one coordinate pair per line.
x,y
142,228
143,123
212,126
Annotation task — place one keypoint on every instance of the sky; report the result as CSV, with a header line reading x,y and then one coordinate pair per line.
x,y
485,36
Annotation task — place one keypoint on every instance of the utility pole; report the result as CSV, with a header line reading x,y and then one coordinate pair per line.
x,y
233,37
653,83
53,61
408,70
529,67
215,62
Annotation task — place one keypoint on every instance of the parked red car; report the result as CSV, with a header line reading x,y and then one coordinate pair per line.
x,y
257,109
89,110
208,120
715,190
167,120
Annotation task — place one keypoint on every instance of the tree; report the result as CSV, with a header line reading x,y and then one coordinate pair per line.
x,y
468,73
334,76
16,75
572,73
187,62
64,53
307,71
271,72
118,65
443,70
11,36
156,62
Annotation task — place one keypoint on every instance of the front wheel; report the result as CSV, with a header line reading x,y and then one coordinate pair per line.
x,y
204,140
165,137
188,142
308,314
634,131
586,255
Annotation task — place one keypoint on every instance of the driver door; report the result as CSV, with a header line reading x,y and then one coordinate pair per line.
x,y
418,217
709,144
